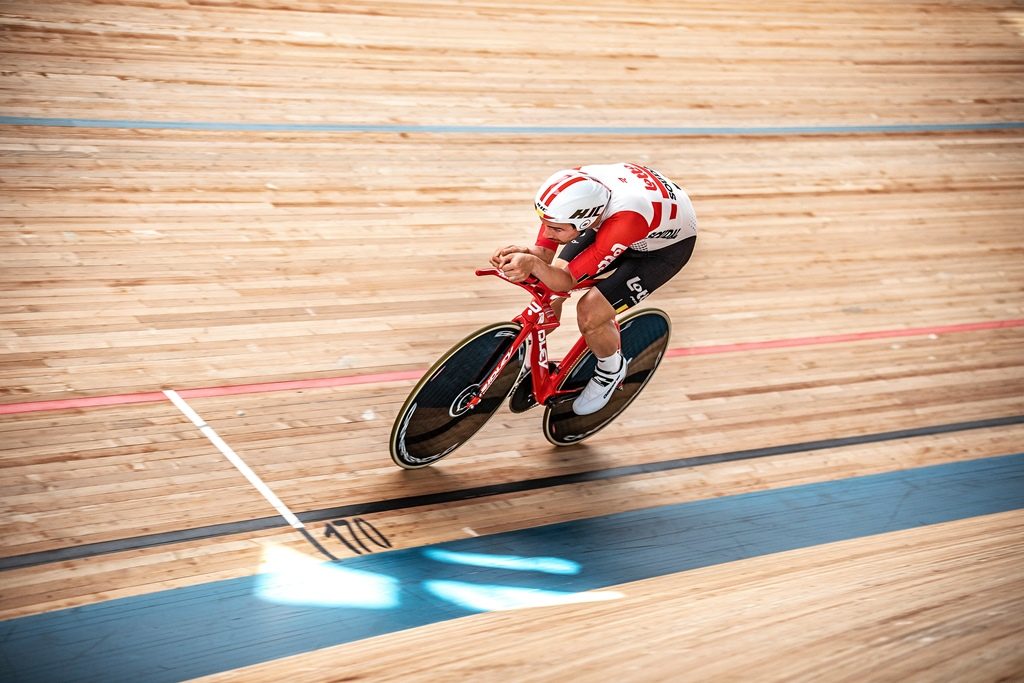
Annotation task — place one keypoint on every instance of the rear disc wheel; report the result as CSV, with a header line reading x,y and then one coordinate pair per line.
x,y
645,335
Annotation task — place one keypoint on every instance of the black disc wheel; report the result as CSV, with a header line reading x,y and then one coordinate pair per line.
x,y
645,336
436,418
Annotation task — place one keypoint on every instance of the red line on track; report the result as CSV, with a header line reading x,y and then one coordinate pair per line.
x,y
837,338
292,385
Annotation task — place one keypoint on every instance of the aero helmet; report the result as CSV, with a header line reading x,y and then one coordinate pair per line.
x,y
572,197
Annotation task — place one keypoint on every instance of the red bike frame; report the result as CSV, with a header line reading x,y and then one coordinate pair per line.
x,y
537,319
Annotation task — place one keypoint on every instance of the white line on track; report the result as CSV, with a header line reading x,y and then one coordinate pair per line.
x,y
208,432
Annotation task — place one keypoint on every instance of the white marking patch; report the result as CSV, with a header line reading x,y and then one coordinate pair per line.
x,y
233,458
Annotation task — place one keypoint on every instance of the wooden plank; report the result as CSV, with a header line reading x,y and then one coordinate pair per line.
x,y
134,259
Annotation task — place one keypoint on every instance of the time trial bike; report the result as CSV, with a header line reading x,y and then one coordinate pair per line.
x,y
465,387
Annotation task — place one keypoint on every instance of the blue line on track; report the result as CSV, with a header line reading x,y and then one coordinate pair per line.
x,y
509,130
198,630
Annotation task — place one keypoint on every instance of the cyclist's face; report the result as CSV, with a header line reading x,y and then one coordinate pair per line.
x,y
563,233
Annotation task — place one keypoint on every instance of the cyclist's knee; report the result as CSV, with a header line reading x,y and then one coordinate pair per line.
x,y
593,312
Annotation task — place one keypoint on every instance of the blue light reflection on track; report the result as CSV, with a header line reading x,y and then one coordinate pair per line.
x,y
203,629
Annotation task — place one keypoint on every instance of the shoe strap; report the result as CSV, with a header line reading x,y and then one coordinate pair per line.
x,y
604,378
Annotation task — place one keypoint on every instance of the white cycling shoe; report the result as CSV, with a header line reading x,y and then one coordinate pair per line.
x,y
599,390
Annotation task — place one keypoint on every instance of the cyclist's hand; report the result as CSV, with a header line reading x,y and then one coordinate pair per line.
x,y
518,266
501,256
497,257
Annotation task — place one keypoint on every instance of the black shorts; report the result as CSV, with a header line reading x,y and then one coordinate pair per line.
x,y
634,274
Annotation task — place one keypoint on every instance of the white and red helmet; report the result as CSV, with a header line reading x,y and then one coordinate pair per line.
x,y
574,197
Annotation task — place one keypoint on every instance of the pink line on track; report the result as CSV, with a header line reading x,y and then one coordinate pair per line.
x,y
838,338
293,385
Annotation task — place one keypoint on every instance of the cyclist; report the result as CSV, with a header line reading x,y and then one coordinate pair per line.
x,y
624,222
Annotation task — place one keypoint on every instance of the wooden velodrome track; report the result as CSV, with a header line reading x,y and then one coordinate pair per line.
x,y
274,209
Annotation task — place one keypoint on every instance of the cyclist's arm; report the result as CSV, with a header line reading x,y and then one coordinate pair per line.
x,y
543,253
616,234
520,265
556,277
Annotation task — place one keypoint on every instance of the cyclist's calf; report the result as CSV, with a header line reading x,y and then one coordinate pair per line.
x,y
595,317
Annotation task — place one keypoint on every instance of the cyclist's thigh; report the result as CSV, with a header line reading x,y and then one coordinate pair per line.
x,y
636,276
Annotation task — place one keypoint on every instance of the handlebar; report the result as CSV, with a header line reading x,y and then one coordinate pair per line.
x,y
500,273
531,284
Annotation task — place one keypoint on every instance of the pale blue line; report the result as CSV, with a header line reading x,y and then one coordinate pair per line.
x,y
508,130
